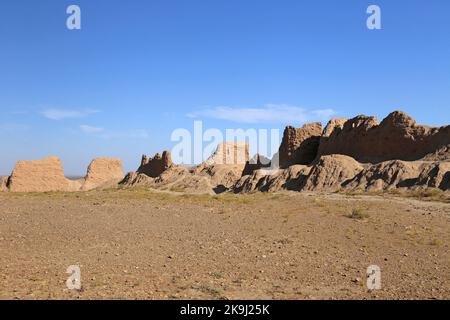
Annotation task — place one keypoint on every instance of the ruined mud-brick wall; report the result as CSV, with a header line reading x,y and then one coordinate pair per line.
x,y
153,167
102,171
256,163
38,176
48,175
397,137
299,145
230,153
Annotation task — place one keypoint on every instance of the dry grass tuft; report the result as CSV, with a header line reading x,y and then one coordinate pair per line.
x,y
358,213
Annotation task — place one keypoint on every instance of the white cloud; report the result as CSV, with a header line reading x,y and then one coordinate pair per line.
x,y
90,129
109,134
325,114
270,113
61,114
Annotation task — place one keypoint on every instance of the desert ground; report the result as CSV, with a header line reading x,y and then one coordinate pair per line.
x,y
148,244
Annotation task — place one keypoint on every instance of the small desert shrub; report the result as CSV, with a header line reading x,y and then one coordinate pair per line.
x,y
246,200
216,275
215,292
436,242
354,193
394,191
427,194
358,214
177,189
430,193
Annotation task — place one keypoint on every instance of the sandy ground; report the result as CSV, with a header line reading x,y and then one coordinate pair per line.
x,y
136,244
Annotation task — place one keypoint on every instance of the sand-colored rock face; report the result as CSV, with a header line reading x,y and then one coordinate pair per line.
x,y
330,172
397,137
273,180
39,176
435,175
3,184
363,138
220,175
153,167
216,175
103,171
205,179
355,154
445,185
386,175
299,146
230,153
442,154
219,172
194,184
256,163
335,172
291,178
135,178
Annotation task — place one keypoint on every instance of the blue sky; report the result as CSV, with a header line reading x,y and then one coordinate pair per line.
x,y
139,69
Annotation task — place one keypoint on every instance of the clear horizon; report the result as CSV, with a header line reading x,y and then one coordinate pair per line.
x,y
137,71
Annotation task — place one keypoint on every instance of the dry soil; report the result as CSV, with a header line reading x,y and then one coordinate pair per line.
x,y
141,244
